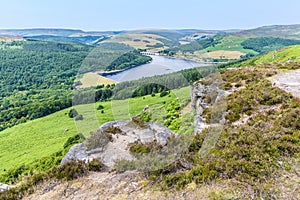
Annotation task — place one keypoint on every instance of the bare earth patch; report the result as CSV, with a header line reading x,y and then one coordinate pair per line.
x,y
289,82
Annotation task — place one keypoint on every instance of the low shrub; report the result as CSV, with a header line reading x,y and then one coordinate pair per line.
x,y
69,170
78,138
164,93
100,107
95,165
73,113
98,140
139,148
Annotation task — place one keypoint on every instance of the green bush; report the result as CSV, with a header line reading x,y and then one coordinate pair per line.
x,y
164,93
146,116
70,170
73,113
138,148
100,107
95,165
78,138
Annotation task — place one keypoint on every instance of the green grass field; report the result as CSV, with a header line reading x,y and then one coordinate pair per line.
x,y
229,48
291,53
229,43
25,143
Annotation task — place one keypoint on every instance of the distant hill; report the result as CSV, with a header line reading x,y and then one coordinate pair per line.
x,y
40,31
282,31
197,44
78,39
55,32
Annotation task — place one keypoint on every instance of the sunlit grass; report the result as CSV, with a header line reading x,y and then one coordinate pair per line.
x,y
24,143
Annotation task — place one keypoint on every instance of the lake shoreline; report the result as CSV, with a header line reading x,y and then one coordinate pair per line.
x,y
158,66
113,72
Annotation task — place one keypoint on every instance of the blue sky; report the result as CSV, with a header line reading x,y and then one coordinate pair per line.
x,y
138,14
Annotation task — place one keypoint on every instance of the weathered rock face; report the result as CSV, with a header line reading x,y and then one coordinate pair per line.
x,y
117,148
202,97
4,187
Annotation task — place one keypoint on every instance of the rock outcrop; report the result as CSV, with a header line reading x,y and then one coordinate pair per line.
x,y
117,148
202,97
289,82
4,187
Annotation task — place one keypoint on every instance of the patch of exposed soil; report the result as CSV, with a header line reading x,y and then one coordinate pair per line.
x,y
289,82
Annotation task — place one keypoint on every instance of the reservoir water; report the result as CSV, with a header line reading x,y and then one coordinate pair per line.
x,y
159,65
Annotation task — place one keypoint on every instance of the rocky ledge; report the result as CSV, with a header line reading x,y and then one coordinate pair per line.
x,y
4,187
289,82
207,96
116,147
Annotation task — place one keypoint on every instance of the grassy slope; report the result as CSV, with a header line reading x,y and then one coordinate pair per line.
x,y
230,47
230,43
291,53
27,142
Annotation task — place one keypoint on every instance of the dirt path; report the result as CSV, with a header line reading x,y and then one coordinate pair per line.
x,y
289,82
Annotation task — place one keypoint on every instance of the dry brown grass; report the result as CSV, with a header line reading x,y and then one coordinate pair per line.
x,y
4,38
92,79
223,54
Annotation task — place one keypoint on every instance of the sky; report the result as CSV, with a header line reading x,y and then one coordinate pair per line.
x,y
140,14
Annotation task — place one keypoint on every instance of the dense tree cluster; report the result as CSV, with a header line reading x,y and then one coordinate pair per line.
x,y
128,60
112,56
267,44
36,79
160,83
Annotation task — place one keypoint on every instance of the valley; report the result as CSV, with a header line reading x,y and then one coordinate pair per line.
x,y
230,97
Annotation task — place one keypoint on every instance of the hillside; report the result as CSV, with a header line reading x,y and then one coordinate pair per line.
x,y
235,126
78,39
24,144
282,31
224,46
36,78
141,40
256,154
227,45
288,54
